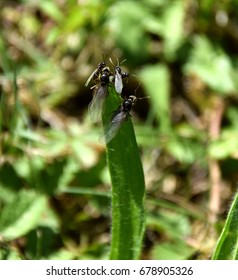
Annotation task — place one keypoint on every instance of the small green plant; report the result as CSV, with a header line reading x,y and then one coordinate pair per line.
x,y
128,190
127,178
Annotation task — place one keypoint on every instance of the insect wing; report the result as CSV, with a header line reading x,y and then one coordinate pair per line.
x,y
112,127
96,105
118,82
96,72
91,77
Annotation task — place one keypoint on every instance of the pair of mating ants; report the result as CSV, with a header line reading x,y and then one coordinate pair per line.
x,y
103,77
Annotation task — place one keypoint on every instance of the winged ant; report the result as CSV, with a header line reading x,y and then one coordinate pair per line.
x,y
96,73
118,77
103,77
118,118
100,92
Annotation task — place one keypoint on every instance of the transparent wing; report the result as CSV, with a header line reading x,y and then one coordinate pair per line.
x,y
96,105
118,82
90,78
112,127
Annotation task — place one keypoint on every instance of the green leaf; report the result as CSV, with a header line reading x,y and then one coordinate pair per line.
x,y
128,188
225,146
63,254
155,79
170,251
227,244
52,10
212,65
184,149
126,21
175,225
8,180
173,28
21,215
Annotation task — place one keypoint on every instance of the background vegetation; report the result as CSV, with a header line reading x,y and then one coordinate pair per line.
x,y
54,182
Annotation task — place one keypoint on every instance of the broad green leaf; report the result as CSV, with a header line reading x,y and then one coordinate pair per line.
x,y
175,225
227,244
184,149
126,21
155,79
21,215
52,10
212,65
128,187
225,146
173,27
172,251
9,180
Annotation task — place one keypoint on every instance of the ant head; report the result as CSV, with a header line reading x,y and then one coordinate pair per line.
x,y
101,65
132,98
118,69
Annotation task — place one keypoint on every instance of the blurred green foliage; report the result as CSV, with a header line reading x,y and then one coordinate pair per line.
x,y
54,182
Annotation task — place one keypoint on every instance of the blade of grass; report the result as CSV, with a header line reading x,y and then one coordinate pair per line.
x,y
85,191
128,187
227,244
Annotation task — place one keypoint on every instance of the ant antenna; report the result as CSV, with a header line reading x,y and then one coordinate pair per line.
x,y
145,97
118,63
137,87
111,61
121,62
